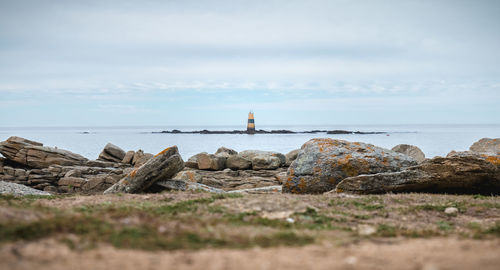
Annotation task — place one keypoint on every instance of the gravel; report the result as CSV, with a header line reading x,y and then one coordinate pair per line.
x,y
19,190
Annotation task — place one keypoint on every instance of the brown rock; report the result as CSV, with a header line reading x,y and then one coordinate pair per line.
x,y
162,166
411,151
127,159
291,156
238,163
211,162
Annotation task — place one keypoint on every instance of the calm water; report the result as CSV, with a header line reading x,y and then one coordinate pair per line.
x,y
434,140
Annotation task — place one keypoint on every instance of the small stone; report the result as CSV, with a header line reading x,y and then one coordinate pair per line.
x,y
365,230
290,220
451,211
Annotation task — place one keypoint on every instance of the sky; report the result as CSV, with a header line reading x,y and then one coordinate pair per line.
x,y
170,63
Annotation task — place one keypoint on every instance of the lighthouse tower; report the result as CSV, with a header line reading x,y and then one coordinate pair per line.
x,y
251,124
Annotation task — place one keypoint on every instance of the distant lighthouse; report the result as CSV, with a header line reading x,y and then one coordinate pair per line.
x,y
251,124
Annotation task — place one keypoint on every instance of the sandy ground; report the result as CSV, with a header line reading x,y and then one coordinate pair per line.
x,y
428,254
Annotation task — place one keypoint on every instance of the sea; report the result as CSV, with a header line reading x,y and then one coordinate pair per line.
x,y
433,140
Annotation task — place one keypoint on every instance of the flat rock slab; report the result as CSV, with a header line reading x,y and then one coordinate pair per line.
x,y
460,173
19,190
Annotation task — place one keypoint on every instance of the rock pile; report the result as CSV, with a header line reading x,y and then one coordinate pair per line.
x,y
51,169
249,159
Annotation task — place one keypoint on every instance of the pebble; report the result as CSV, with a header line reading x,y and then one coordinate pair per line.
x,y
451,211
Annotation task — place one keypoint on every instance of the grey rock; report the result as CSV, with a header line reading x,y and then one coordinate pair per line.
x,y
140,158
456,174
163,166
238,163
322,163
259,190
291,156
410,150
486,145
182,185
19,190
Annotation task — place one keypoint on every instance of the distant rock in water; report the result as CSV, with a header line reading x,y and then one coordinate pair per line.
x,y
261,131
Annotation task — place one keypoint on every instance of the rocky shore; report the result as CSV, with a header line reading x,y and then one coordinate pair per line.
x,y
321,165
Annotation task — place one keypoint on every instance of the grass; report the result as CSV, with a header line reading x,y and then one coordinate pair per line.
x,y
183,220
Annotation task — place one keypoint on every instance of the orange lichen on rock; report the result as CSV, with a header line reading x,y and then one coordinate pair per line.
x,y
495,160
164,151
133,173
302,184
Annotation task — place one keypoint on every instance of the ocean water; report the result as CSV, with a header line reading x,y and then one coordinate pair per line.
x,y
434,140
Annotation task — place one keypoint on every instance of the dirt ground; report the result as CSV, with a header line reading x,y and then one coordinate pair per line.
x,y
186,230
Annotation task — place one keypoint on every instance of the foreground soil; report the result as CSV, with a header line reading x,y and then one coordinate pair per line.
x,y
185,230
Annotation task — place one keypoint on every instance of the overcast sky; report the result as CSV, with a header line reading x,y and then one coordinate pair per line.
x,y
81,63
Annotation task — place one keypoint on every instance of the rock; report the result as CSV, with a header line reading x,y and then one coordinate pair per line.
x,y
193,161
460,173
112,153
35,155
411,151
238,163
260,190
188,176
211,162
486,145
71,181
181,185
366,230
19,190
451,211
322,163
225,152
231,180
129,156
162,166
264,160
291,156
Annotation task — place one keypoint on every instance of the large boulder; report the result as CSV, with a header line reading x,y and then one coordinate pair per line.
x,y
238,163
34,154
457,173
112,153
164,165
211,162
264,160
410,150
486,145
322,163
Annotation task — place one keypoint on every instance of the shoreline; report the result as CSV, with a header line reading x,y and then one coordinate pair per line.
x,y
262,131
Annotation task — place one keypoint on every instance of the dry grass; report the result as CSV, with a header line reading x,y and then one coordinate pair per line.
x,y
186,220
